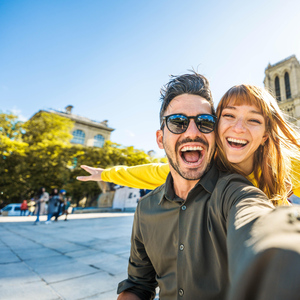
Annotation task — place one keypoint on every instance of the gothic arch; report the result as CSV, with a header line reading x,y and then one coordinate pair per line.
x,y
287,85
277,87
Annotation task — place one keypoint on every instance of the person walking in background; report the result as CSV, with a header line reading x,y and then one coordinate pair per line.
x,y
62,195
53,204
42,198
24,208
67,203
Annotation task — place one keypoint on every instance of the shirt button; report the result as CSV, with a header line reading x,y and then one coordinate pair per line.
x,y
181,292
181,247
183,207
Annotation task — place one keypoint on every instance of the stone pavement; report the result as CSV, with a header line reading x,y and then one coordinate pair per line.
x,y
83,258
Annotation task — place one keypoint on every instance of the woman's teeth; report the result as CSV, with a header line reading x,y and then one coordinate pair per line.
x,y
236,141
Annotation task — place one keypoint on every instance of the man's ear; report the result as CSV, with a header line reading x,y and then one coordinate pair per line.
x,y
159,139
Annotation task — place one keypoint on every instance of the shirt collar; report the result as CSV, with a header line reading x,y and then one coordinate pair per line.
x,y
208,182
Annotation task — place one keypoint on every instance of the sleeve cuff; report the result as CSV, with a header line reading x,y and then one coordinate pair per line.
x,y
126,285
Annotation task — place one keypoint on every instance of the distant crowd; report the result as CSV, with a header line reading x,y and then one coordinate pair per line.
x,y
54,205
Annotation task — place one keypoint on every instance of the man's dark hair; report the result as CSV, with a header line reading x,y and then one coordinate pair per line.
x,y
194,84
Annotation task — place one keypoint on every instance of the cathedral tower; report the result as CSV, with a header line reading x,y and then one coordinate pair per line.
x,y
283,80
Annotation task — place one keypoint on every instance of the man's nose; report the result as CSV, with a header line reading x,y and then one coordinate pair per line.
x,y
192,130
239,126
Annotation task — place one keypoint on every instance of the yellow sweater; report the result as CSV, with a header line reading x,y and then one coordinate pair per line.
x,y
150,176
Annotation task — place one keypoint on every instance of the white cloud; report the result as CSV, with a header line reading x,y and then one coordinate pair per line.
x,y
18,113
129,133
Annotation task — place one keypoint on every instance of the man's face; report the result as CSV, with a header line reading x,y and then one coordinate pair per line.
x,y
189,153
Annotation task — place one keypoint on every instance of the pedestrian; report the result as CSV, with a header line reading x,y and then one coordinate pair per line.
x,y
67,203
53,204
24,208
41,199
206,234
62,195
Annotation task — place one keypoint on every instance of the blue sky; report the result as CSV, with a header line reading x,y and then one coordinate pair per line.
x,y
110,58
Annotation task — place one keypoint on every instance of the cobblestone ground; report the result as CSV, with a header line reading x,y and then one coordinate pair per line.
x,y
83,258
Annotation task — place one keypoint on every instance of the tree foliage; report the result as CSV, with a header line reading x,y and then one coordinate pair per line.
x,y
48,128
39,153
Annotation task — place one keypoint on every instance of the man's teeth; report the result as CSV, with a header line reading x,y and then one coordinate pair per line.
x,y
198,148
237,141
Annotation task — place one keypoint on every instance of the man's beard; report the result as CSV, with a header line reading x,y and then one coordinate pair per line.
x,y
190,175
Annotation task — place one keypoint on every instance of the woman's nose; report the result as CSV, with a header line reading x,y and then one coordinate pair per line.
x,y
239,126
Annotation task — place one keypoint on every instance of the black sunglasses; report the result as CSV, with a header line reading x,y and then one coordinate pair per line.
x,y
179,123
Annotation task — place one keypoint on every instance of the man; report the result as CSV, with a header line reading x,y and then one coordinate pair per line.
x,y
192,236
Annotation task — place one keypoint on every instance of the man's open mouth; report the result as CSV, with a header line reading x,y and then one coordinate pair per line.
x,y
237,143
191,154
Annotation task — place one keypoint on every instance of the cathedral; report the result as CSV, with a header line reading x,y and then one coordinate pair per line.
x,y
283,80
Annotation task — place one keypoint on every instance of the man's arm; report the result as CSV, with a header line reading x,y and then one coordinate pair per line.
x,y
141,279
263,249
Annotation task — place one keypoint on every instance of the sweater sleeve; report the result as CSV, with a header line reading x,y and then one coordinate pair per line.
x,y
296,177
148,176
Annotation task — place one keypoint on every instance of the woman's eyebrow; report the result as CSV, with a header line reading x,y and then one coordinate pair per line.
x,y
252,111
230,107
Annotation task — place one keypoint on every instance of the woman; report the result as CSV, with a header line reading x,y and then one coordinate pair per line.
x,y
253,139
41,199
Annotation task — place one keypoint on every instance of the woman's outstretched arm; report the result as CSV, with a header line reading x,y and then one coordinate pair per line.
x,y
147,176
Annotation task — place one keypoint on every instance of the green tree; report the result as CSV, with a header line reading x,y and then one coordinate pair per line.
x,y
11,127
47,129
39,153
12,156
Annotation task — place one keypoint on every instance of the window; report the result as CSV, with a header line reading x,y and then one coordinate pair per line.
x,y
98,140
277,89
287,85
7,208
78,137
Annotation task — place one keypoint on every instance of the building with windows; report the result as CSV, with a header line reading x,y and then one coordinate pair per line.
x,y
86,131
283,80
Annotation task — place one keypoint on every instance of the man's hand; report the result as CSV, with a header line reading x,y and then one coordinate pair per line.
x,y
128,296
95,174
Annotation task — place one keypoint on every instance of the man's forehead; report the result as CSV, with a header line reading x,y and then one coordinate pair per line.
x,y
189,104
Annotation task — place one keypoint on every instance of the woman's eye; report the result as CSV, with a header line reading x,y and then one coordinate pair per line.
x,y
255,121
228,116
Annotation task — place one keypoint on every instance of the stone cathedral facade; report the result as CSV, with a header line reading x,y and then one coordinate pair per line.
x,y
283,80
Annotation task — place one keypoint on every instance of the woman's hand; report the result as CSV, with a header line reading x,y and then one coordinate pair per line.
x,y
95,174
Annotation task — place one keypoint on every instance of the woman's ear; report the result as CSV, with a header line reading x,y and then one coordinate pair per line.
x,y
264,138
159,139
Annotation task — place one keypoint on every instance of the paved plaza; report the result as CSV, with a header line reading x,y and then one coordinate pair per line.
x,y
83,258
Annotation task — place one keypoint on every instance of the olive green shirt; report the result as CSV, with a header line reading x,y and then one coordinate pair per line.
x,y
181,246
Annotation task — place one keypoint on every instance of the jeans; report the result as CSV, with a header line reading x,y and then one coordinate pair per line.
x,y
50,215
23,212
38,212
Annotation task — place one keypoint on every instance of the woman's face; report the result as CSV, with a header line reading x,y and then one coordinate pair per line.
x,y
241,130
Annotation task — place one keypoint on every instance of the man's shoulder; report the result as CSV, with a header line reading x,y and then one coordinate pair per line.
x,y
226,178
154,193
231,186
153,196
